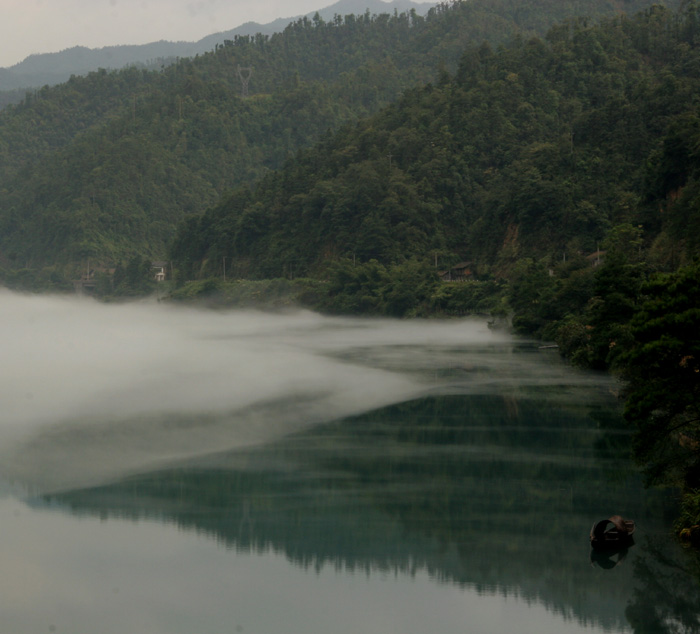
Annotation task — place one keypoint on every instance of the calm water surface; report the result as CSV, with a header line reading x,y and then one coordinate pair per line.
x,y
376,477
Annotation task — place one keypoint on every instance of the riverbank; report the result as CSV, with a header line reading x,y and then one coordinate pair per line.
x,y
387,297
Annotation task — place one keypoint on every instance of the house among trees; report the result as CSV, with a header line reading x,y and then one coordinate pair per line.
x,y
159,269
458,273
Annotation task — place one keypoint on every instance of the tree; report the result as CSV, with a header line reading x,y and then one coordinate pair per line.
x,y
661,364
135,279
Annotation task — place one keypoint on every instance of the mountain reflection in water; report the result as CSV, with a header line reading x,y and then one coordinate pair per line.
x,y
487,492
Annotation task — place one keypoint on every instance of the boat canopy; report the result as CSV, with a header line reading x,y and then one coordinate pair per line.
x,y
623,527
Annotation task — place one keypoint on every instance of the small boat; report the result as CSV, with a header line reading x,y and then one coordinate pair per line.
x,y
612,533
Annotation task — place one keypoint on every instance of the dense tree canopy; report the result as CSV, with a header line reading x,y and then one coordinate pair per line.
x,y
544,150
106,165
662,366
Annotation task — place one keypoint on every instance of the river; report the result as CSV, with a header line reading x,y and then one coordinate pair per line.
x,y
169,470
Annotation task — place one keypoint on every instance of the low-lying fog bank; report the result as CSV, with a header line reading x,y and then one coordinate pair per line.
x,y
91,392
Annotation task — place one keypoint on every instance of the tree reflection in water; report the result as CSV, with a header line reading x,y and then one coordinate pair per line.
x,y
666,596
490,493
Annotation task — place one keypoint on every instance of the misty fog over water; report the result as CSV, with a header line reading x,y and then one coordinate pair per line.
x,y
167,469
92,392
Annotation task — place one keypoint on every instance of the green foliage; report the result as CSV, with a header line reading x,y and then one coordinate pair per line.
x,y
468,298
673,185
661,364
400,290
206,288
44,280
534,152
688,522
105,166
136,279
260,294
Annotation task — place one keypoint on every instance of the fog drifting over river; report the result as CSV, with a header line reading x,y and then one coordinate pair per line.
x,y
91,392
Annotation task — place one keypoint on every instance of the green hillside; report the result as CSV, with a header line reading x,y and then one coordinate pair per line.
x,y
541,149
105,166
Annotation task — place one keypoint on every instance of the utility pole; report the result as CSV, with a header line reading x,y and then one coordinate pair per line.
x,y
244,75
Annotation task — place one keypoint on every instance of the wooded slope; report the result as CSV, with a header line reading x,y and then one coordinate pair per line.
x,y
540,149
105,166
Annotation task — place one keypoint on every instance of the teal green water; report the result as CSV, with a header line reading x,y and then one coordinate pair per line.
x,y
457,510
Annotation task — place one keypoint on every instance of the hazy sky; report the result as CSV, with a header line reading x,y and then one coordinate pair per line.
x,y
47,26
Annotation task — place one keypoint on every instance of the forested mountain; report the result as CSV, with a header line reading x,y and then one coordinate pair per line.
x,y
104,166
545,148
52,68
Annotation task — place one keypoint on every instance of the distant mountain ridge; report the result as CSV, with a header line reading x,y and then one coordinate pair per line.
x,y
54,68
